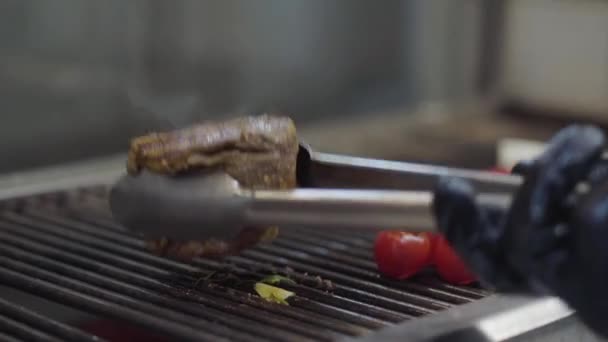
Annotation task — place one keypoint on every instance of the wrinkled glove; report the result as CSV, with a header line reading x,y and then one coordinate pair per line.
x,y
553,239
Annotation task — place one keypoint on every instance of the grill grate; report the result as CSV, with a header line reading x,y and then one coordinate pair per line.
x,y
25,325
65,248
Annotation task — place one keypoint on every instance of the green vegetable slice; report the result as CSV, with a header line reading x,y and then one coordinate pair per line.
x,y
272,293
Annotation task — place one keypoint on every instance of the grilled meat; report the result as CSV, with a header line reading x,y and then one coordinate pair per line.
x,y
260,152
185,250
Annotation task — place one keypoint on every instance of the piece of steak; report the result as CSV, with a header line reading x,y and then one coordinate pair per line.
x,y
260,152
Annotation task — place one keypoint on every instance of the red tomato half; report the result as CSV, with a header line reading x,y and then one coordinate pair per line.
x,y
449,265
401,254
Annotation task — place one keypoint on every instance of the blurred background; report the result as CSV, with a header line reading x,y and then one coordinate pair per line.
x,y
79,78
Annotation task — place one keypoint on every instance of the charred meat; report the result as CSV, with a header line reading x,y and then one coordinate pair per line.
x,y
213,248
259,152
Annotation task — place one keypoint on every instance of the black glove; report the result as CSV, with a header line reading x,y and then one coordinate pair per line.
x,y
554,237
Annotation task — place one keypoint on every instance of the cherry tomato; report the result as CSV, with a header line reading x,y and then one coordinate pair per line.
x,y
449,265
432,237
401,254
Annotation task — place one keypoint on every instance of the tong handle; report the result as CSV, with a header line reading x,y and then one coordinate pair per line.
x,y
325,170
353,209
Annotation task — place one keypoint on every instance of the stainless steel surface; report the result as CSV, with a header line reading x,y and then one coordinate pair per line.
x,y
58,177
493,319
212,205
355,210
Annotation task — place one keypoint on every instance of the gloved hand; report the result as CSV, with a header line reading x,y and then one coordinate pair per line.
x,y
554,237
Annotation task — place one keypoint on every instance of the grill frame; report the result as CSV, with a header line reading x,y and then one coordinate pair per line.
x,y
470,319
494,318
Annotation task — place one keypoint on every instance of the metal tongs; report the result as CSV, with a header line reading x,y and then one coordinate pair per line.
x,y
335,191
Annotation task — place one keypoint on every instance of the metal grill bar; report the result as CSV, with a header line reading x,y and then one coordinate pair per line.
x,y
24,331
96,304
136,297
317,247
381,315
168,308
20,317
65,247
453,294
435,301
119,274
8,338
113,258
